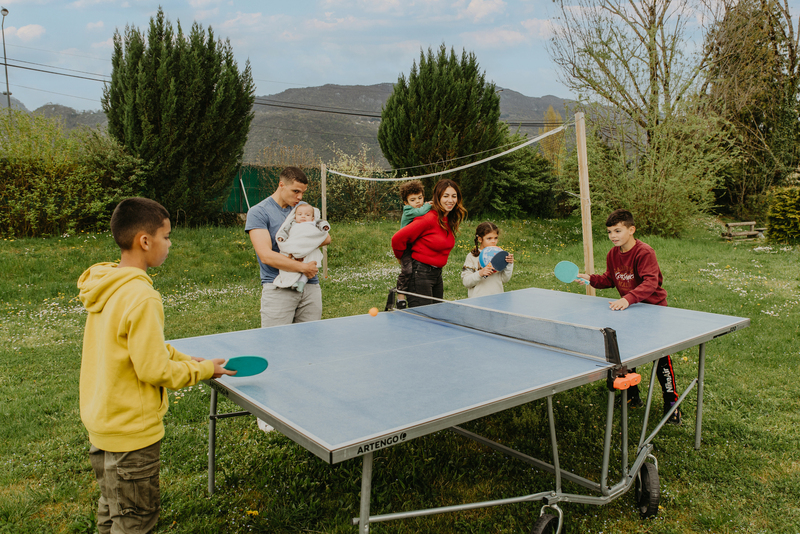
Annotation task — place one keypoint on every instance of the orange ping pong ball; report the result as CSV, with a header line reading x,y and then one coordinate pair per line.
x,y
373,311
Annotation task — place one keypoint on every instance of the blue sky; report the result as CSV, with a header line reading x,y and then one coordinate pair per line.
x,y
293,43
289,43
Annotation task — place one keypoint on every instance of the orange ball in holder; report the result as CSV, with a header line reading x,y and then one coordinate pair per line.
x,y
373,312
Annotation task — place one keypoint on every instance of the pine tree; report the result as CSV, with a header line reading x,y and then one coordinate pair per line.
x,y
443,116
180,103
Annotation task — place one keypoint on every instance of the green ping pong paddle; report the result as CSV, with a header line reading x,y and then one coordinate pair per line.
x,y
246,365
567,272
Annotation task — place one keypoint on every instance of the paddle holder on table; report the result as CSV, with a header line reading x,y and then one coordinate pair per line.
x,y
618,377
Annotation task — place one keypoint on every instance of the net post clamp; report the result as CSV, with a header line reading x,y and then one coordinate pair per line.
x,y
618,376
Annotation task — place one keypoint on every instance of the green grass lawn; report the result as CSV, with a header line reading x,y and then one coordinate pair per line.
x,y
745,478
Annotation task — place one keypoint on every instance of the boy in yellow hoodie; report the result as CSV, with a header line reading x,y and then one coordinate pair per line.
x,y
125,366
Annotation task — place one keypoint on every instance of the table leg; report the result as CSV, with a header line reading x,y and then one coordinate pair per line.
x,y
212,440
701,371
366,489
554,442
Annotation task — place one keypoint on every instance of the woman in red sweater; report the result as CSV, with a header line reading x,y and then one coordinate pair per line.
x,y
431,237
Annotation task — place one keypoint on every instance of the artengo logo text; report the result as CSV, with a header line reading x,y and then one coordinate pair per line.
x,y
381,443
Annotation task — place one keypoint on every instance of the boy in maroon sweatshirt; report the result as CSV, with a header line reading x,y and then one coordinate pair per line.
x,y
632,268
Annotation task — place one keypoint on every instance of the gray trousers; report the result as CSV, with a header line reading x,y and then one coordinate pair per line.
x,y
281,306
130,497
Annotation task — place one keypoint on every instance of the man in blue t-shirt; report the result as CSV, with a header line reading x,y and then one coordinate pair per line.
x,y
281,306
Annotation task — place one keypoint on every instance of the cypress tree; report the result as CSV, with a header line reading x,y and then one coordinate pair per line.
x,y
443,112
181,104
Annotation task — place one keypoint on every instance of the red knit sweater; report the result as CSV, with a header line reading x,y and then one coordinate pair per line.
x,y
429,243
635,274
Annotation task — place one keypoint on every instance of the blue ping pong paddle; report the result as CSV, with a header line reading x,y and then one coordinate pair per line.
x,y
486,255
499,262
567,272
246,365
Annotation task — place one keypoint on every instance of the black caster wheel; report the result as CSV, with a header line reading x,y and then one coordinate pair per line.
x,y
546,524
648,491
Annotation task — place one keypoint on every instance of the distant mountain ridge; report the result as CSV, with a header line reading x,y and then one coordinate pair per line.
x,y
321,131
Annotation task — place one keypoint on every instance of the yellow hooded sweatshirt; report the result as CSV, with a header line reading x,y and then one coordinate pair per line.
x,y
126,364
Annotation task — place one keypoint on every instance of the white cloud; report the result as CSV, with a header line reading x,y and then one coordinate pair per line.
x,y
480,9
538,28
243,20
495,38
202,3
338,23
26,33
80,4
95,25
385,5
206,14
108,43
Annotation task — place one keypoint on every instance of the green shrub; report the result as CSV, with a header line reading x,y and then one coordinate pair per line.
x,y
351,199
783,217
51,184
666,186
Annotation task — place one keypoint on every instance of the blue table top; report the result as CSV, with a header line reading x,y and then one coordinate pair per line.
x,y
343,387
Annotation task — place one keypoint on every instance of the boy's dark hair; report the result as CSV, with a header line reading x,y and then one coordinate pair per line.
x,y
620,216
134,215
293,174
413,187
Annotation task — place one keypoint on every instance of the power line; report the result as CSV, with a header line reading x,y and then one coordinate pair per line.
x,y
54,93
355,113
62,53
263,101
52,72
61,68
319,133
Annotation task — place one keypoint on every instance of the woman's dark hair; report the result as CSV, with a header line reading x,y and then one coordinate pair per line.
x,y
457,214
483,229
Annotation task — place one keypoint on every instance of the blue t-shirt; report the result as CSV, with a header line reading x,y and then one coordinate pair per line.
x,y
268,215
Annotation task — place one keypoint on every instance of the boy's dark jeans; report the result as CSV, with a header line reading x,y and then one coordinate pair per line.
x,y
130,498
404,278
425,280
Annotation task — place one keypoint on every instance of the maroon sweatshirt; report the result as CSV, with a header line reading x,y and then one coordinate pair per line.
x,y
635,274
429,243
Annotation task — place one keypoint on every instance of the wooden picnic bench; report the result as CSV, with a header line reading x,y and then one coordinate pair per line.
x,y
732,231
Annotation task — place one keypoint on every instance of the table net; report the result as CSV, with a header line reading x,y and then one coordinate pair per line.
x,y
599,343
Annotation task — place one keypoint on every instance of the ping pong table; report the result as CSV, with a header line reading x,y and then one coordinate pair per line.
x,y
363,383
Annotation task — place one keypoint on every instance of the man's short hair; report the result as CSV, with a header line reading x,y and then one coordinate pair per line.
x,y
620,216
134,215
293,174
412,187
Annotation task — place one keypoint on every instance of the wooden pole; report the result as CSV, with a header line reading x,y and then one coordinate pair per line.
x,y
586,205
324,173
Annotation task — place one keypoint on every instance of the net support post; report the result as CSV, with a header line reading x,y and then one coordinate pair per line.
x,y
586,205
